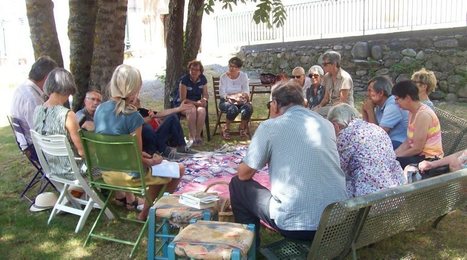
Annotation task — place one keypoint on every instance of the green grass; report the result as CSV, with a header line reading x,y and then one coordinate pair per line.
x,y
26,235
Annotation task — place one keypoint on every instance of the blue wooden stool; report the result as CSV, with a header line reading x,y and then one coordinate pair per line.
x,y
171,215
214,240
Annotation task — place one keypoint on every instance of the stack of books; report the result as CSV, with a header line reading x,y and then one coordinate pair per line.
x,y
199,200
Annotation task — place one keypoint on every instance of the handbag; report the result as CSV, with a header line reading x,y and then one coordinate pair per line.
x,y
435,171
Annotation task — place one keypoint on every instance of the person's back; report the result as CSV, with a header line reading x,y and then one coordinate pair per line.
x,y
29,95
303,166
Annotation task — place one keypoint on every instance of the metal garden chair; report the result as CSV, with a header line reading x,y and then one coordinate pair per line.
x,y
121,154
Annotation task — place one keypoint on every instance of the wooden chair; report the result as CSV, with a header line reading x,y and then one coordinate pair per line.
x,y
219,113
58,148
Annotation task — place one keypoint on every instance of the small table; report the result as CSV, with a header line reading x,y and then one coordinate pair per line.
x,y
256,87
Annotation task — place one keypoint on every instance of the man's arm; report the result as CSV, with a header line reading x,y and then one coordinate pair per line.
x,y
244,172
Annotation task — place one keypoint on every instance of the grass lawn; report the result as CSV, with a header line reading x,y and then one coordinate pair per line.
x,y
26,235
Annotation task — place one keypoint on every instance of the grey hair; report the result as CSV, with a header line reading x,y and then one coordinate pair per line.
x,y
343,114
382,84
60,81
41,68
287,94
317,69
334,57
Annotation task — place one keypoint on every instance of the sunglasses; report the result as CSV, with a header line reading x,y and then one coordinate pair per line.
x,y
313,76
296,77
326,63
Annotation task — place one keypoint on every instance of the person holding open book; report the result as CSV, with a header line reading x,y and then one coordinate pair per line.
x,y
118,116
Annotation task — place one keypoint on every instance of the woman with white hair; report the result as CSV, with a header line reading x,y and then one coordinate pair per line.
x,y
316,93
365,151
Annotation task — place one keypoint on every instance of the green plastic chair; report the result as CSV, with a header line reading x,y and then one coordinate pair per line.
x,y
114,153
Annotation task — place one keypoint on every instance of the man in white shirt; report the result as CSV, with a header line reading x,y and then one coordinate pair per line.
x,y
28,95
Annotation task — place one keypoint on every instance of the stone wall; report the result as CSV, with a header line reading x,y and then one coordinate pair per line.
x,y
397,55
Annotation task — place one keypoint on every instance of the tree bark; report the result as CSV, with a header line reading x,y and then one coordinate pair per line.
x,y
108,42
193,31
43,31
81,25
174,68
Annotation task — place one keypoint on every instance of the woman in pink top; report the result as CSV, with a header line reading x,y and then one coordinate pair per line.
x,y
424,131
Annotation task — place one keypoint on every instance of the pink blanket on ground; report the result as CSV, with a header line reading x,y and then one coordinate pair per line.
x,y
208,167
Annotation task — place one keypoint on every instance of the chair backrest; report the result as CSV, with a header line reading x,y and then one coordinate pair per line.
x,y
453,131
112,153
55,146
367,219
20,134
215,92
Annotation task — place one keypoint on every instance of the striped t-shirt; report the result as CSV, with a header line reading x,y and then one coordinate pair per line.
x,y
433,146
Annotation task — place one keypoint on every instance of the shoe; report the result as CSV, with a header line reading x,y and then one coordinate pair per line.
x,y
172,154
186,149
226,134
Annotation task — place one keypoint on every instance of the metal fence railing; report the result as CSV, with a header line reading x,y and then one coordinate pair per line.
x,y
339,18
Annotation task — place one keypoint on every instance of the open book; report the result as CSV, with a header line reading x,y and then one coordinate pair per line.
x,y
166,169
199,200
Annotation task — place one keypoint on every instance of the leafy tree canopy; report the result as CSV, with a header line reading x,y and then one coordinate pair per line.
x,y
270,12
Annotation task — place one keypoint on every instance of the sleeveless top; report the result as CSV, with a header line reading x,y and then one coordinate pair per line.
x,y
433,146
51,121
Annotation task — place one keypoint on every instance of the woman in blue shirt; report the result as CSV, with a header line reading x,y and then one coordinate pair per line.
x,y
118,116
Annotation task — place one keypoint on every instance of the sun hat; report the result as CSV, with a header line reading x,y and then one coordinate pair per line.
x,y
44,201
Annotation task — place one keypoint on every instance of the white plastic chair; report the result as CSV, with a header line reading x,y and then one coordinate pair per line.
x,y
58,145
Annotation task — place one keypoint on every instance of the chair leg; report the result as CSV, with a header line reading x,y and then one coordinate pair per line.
x,y
88,238
87,210
31,184
138,240
171,249
252,251
151,233
60,200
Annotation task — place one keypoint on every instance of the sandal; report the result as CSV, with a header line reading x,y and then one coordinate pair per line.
x,y
120,202
244,134
226,134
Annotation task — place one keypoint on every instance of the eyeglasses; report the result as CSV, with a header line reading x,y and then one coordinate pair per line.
x,y
326,63
232,66
94,99
418,82
268,105
296,76
313,76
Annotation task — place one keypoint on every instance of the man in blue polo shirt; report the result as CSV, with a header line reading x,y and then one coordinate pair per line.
x,y
380,108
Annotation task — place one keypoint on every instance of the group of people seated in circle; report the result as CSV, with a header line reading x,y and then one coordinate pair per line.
x,y
318,147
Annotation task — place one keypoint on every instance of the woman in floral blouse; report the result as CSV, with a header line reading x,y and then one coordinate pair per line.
x,y
366,153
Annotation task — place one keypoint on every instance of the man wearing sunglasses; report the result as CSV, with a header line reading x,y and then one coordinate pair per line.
x,y
298,75
337,81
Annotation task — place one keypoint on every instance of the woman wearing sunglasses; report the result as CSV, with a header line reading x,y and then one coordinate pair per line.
x,y
316,93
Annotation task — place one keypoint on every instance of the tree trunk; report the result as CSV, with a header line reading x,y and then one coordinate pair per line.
x,y
81,25
193,31
174,61
108,42
43,31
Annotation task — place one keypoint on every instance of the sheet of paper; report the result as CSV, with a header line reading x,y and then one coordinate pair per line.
x,y
166,169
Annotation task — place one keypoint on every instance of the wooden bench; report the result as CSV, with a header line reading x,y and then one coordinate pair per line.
x,y
453,131
352,224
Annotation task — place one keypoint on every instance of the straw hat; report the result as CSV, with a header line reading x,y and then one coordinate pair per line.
x,y
44,201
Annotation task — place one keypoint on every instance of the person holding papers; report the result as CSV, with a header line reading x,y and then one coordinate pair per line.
x,y
118,116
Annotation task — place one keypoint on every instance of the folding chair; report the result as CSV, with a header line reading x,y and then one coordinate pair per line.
x,y
39,177
58,146
119,153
